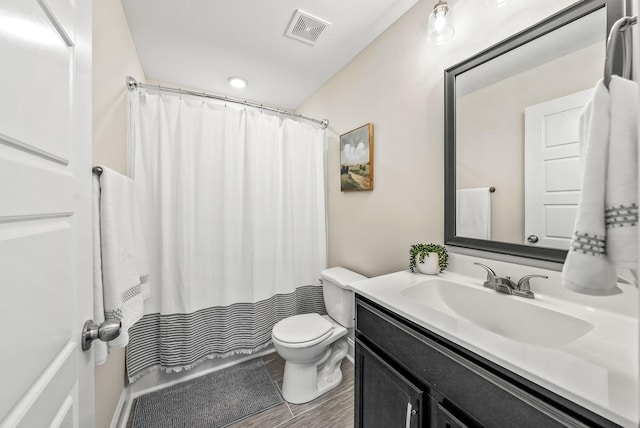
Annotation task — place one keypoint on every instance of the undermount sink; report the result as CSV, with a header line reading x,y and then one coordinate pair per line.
x,y
515,318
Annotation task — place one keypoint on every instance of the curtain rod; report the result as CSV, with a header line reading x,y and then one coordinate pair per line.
x,y
133,84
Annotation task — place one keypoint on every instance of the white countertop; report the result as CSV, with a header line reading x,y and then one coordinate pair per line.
x,y
598,371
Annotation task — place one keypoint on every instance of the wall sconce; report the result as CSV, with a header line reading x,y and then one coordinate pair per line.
x,y
440,26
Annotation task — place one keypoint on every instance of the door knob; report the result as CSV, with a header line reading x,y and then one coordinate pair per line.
x,y
108,330
532,239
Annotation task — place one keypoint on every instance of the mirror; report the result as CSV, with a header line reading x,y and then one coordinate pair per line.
x,y
512,162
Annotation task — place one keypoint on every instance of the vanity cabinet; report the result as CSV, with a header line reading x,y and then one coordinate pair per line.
x,y
385,397
404,369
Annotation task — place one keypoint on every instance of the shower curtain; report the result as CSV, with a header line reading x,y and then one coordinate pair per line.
x,y
234,203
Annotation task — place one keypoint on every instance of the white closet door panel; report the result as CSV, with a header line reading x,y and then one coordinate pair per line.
x,y
64,418
560,221
30,184
562,175
559,127
43,251
40,95
47,406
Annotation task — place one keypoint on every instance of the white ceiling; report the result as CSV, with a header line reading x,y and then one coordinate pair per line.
x,y
199,43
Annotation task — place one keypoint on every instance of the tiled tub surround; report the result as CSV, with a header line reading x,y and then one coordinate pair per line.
x,y
598,371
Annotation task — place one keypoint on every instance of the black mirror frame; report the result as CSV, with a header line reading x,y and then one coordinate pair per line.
x,y
615,10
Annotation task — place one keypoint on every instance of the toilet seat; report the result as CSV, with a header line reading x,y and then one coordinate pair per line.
x,y
302,330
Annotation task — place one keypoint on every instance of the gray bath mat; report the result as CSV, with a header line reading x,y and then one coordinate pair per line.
x,y
214,400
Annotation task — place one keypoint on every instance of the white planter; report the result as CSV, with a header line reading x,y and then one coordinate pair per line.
x,y
430,264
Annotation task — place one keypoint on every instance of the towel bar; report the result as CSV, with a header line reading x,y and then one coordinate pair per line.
x,y
620,27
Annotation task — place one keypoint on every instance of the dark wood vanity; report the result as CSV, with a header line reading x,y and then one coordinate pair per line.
x,y
408,376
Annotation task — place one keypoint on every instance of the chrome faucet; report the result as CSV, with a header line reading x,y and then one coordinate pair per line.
x,y
506,285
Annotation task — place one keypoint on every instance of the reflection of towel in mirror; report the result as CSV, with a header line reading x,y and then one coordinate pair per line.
x,y
605,229
473,213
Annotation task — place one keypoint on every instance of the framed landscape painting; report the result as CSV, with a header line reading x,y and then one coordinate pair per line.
x,y
356,159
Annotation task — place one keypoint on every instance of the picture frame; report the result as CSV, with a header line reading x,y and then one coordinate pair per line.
x,y
356,159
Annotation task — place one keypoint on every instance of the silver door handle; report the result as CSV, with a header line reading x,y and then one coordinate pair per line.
x,y
410,413
532,239
108,330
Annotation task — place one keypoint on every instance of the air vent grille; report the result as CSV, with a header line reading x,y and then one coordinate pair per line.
x,y
306,27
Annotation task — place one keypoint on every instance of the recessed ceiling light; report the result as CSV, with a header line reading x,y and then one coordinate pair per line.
x,y
237,82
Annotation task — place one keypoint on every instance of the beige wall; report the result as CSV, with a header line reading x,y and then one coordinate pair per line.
x,y
397,84
114,57
490,141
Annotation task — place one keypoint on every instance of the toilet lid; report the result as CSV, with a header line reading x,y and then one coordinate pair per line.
x,y
302,328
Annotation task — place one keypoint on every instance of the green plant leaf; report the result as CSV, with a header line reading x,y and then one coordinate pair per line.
x,y
418,252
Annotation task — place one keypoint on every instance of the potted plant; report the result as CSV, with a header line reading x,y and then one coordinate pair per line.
x,y
428,258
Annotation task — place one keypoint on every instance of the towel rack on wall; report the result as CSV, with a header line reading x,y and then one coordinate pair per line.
x,y
619,28
97,170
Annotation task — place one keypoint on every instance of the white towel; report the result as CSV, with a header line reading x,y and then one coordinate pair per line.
x,y
473,213
123,264
99,348
608,151
621,200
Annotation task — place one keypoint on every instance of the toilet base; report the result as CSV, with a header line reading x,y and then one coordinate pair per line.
x,y
304,382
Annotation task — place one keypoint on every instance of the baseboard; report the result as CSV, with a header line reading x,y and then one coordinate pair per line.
x,y
351,350
121,414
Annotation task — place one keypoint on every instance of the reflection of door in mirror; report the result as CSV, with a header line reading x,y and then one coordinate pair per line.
x,y
485,101
552,170
490,124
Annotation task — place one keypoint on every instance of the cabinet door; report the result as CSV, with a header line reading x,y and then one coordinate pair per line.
x,y
383,397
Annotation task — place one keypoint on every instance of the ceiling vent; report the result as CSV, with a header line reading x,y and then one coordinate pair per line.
x,y
306,27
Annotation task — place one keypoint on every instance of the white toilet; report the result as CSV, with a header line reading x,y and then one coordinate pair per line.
x,y
314,345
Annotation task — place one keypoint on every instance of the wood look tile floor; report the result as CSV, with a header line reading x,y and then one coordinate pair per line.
x,y
331,410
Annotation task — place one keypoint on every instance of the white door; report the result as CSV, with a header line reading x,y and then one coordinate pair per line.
x,y
552,177
45,217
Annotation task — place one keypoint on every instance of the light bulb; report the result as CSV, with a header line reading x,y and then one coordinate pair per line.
x,y
440,28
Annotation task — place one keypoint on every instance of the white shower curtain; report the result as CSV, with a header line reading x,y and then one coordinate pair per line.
x,y
235,220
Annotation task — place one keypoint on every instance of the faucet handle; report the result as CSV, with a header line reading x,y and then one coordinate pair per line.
x,y
523,284
491,276
490,273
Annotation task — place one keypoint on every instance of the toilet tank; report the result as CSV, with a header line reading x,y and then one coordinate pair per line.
x,y
339,299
